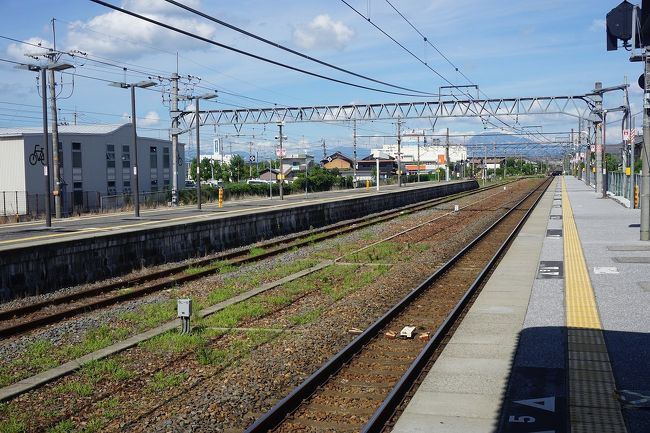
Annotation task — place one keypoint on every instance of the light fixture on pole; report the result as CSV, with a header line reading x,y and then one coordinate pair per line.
x,y
134,137
280,153
197,120
46,162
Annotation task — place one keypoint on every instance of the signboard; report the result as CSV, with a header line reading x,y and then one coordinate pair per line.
x,y
441,159
251,158
629,134
280,152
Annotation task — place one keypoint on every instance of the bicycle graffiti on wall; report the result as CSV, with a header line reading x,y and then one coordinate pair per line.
x,y
37,156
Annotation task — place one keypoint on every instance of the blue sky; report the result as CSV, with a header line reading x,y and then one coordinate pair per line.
x,y
509,48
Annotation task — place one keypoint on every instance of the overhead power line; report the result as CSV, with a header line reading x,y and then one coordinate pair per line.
x,y
289,50
246,53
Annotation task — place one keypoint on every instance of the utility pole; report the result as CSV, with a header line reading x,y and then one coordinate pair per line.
x,y
324,150
644,197
446,154
598,99
418,158
281,138
56,169
174,133
588,157
250,153
48,213
354,153
399,151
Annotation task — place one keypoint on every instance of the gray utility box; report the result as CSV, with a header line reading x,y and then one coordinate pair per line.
x,y
184,307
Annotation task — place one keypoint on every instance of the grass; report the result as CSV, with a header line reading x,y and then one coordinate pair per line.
x,y
305,318
10,423
256,251
150,315
64,426
382,251
193,270
173,342
223,293
95,371
230,316
208,356
161,381
337,282
80,388
95,339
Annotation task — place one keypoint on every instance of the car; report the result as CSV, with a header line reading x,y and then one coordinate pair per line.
x,y
213,183
258,182
190,183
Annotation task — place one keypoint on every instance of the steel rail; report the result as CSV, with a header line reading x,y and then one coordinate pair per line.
x,y
274,417
172,276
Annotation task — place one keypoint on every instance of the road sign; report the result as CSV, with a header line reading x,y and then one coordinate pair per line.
x,y
251,158
280,151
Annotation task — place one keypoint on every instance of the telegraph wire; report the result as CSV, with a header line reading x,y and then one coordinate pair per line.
x,y
248,54
289,50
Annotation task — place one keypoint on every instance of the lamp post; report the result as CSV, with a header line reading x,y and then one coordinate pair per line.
x,y
46,162
197,121
280,155
134,138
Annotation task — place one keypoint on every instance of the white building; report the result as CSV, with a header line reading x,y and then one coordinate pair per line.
x,y
429,154
95,160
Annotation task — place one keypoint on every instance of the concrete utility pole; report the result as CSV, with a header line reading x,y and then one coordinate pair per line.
x,y
354,153
598,99
588,157
250,163
447,155
281,150
56,169
197,120
644,198
48,212
399,152
324,151
174,134
418,158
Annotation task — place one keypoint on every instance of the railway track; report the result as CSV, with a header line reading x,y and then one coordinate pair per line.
x,y
33,316
360,388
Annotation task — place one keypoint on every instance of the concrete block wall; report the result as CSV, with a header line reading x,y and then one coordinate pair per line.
x,y
45,268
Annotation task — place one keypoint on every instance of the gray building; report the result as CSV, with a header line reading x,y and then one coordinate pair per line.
x,y
96,165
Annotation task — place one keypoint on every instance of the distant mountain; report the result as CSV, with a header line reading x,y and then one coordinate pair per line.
x,y
508,145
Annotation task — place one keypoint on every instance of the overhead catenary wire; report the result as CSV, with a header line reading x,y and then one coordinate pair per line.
x,y
290,50
425,63
248,54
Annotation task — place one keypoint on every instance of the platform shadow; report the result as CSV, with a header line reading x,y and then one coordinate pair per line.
x,y
536,398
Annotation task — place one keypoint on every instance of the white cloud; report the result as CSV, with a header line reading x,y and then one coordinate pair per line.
x,y
323,32
115,33
20,52
152,118
598,25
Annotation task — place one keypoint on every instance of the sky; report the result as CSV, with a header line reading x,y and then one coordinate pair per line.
x,y
509,48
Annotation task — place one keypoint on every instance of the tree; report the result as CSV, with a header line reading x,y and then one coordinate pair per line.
x,y
238,168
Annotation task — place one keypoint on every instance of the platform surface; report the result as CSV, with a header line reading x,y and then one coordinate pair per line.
x,y
560,329
34,232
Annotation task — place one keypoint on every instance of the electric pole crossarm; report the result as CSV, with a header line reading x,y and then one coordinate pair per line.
x,y
575,106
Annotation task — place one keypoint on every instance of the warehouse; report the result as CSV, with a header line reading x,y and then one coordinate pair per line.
x,y
96,167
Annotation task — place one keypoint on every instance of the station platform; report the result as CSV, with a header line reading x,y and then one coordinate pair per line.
x,y
29,233
559,338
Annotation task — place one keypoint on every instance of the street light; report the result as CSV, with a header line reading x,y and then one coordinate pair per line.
x,y
134,136
197,120
280,154
46,171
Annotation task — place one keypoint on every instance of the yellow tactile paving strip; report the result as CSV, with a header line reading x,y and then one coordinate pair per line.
x,y
592,408
581,309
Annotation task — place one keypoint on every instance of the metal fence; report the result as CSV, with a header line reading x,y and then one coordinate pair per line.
x,y
620,185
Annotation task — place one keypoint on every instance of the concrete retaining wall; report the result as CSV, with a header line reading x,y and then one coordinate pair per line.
x,y
45,268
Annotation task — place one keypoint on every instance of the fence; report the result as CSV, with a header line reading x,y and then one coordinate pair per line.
x,y
618,185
